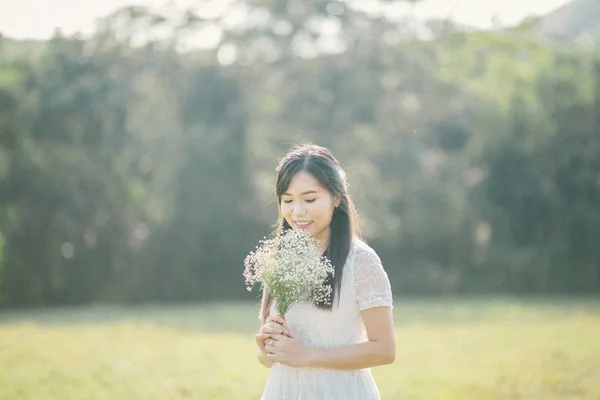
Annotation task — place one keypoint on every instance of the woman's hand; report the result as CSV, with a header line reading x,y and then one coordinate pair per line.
x,y
274,326
287,350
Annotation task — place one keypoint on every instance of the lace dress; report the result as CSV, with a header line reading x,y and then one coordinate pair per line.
x,y
365,285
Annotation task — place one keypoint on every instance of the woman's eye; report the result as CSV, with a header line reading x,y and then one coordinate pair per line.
x,y
311,200
287,201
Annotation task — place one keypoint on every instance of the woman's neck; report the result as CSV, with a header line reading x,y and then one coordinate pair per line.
x,y
323,243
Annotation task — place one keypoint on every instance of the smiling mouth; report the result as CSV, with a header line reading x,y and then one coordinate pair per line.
x,y
302,224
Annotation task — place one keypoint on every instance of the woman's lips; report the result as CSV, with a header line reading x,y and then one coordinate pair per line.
x,y
300,225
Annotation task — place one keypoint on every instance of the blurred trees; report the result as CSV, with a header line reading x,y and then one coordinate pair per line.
x,y
131,170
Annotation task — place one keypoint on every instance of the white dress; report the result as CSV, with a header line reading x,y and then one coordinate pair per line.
x,y
365,284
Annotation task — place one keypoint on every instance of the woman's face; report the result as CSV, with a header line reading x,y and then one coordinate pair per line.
x,y
306,205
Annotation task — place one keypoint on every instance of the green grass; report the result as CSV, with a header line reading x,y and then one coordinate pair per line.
x,y
446,349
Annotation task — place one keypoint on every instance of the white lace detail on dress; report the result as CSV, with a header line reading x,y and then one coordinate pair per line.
x,y
371,281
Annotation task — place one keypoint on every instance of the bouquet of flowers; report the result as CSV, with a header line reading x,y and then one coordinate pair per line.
x,y
290,268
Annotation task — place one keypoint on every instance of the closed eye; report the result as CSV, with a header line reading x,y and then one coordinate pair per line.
x,y
307,200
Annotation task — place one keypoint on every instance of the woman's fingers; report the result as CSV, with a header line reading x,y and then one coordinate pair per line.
x,y
274,341
270,346
277,325
272,327
276,318
260,340
289,333
278,337
279,320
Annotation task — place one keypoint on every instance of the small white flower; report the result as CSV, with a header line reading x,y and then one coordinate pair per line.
x,y
291,269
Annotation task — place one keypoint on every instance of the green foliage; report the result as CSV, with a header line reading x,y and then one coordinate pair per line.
x,y
2,243
133,171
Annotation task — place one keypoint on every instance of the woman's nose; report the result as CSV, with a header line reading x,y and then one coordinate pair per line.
x,y
298,209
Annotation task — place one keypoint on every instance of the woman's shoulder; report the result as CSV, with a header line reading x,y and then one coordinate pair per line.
x,y
362,250
360,245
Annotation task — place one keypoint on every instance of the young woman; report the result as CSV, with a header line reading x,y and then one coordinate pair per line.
x,y
320,351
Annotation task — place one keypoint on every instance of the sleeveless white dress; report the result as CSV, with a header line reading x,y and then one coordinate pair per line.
x,y
365,285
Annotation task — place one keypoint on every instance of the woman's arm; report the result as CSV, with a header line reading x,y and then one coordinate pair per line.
x,y
380,349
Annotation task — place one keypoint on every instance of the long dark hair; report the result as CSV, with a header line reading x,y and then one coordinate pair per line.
x,y
322,165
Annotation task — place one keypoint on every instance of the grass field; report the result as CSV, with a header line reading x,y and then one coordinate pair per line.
x,y
446,349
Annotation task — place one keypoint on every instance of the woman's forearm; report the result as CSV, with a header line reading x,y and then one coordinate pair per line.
x,y
262,357
356,356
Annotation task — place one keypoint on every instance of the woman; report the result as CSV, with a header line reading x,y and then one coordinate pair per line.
x,y
325,351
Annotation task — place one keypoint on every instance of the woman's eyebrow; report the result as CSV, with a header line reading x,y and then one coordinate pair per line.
x,y
302,194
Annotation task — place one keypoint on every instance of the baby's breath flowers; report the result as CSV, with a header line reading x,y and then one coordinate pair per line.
x,y
291,269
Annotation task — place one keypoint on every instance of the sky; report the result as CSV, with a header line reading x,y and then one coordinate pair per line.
x,y
37,19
